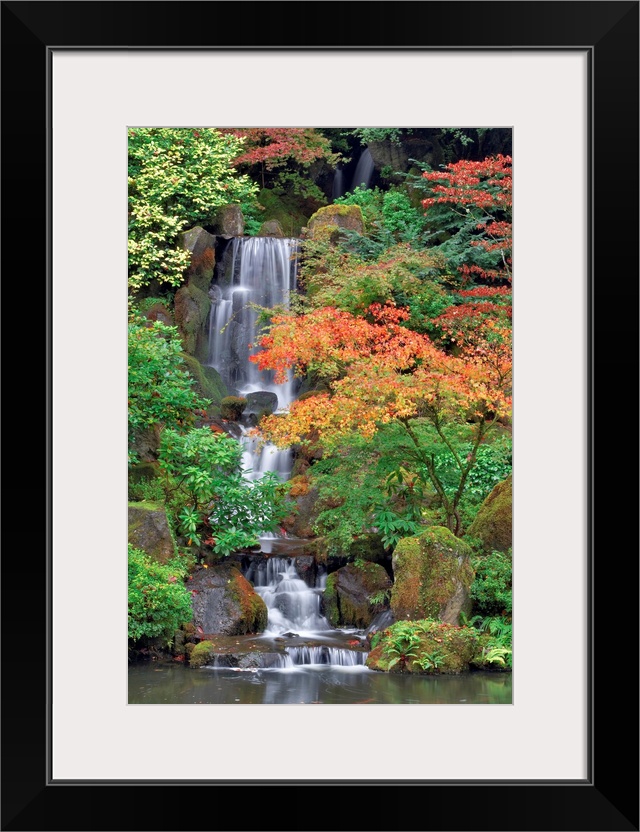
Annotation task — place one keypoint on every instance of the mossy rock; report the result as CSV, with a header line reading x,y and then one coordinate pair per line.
x,y
288,210
349,591
271,228
149,530
191,311
227,220
201,654
432,577
326,223
493,524
202,247
232,407
208,380
224,601
144,471
436,647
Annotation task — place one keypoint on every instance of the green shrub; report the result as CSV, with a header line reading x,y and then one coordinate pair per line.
x,y
159,602
491,590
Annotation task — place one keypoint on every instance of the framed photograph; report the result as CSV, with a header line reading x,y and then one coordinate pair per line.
x,y
563,78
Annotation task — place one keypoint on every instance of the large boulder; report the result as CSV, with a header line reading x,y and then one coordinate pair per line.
x,y
262,402
326,222
191,311
355,594
426,647
227,221
202,247
493,524
149,530
432,577
224,601
271,228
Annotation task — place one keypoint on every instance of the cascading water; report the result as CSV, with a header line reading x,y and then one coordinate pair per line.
x,y
363,171
294,610
260,271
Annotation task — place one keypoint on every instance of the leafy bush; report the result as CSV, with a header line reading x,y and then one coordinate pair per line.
x,y
176,177
491,590
158,600
212,500
160,388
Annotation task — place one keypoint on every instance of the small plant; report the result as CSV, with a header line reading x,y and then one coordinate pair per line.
x,y
380,597
402,644
430,661
496,654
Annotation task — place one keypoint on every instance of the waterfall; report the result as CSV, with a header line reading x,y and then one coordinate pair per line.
x,y
292,605
338,184
259,457
294,610
363,172
260,271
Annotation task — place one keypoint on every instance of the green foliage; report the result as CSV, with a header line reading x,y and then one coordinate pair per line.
x,y
493,465
380,597
430,661
149,490
402,643
343,279
491,590
378,134
213,502
389,217
160,389
358,490
158,600
176,177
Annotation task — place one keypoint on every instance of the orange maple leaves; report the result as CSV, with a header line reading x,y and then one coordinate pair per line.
x,y
379,371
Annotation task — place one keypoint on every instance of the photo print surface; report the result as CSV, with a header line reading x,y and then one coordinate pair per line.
x,y
320,403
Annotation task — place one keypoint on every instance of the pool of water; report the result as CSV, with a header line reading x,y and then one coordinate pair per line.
x,y
154,683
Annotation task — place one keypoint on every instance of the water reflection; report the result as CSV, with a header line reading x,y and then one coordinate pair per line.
x,y
152,684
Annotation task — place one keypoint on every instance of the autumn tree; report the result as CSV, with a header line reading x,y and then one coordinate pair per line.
x,y
468,213
379,372
283,155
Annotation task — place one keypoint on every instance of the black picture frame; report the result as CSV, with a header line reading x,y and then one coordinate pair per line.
x,y
608,798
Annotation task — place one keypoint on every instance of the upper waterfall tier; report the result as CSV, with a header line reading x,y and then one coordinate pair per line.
x,y
260,272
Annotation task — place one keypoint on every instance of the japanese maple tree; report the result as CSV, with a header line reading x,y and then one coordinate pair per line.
x,y
469,214
282,153
378,371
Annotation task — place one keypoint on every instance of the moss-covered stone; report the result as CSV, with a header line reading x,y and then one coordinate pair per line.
x,y
424,647
144,471
224,601
493,524
149,530
227,220
232,407
202,247
209,383
201,654
350,595
271,228
326,223
432,577
191,310
291,212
